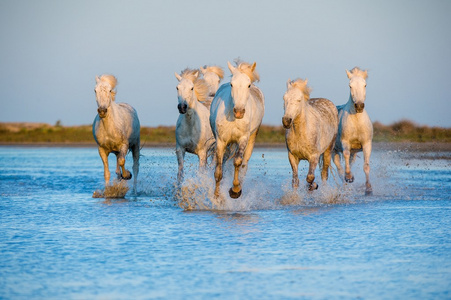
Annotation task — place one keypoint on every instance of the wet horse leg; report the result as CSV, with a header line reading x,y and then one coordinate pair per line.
x,y
220,148
180,158
121,163
313,162
326,161
135,152
235,190
347,155
294,162
106,172
337,163
366,167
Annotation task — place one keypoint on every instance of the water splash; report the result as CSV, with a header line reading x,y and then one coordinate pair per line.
x,y
117,189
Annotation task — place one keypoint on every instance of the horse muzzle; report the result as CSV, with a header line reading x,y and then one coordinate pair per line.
x,y
182,108
102,112
359,107
286,122
239,113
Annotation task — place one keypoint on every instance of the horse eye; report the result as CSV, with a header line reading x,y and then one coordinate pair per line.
x,y
249,86
231,85
192,88
177,88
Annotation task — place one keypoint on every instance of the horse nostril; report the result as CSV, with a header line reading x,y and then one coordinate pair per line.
x,y
286,122
359,107
102,110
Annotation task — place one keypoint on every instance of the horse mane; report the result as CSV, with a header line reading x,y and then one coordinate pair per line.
x,y
215,69
356,71
246,68
112,81
191,74
201,89
302,86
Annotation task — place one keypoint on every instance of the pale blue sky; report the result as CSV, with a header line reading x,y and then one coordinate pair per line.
x,y
51,51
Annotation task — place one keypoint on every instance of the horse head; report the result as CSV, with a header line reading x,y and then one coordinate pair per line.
x,y
294,98
105,93
212,75
357,84
242,78
190,90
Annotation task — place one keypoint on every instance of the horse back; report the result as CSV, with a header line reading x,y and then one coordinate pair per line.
x,y
327,110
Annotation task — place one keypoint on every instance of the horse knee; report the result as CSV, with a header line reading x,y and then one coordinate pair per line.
x,y
121,161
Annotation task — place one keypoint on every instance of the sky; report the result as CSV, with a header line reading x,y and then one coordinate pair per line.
x,y
51,51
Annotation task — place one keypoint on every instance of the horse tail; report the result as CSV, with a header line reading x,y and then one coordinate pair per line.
x,y
230,151
211,150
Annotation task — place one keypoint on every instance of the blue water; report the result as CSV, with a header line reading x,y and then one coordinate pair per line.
x,y
57,242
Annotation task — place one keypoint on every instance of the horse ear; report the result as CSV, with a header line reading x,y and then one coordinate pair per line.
x,y
202,70
366,74
288,83
196,74
253,66
97,79
231,68
349,74
306,81
178,76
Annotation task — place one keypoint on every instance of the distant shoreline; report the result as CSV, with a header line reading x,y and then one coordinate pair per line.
x,y
377,146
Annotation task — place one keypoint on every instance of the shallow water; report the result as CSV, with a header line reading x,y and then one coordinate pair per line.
x,y
57,242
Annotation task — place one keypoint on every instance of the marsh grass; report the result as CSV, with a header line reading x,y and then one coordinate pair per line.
x,y
23,133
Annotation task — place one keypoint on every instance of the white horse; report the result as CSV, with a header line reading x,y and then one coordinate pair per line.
x,y
311,128
213,76
193,132
236,114
355,130
116,129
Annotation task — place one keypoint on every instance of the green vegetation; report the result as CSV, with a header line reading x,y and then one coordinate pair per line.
x,y
23,133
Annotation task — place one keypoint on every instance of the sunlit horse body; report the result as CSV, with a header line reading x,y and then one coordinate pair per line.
x,y
236,114
355,130
311,128
193,132
116,129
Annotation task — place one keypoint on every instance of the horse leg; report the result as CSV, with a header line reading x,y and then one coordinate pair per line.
x,y
220,149
326,163
337,163
294,162
347,154
249,149
366,167
313,162
135,152
235,190
121,162
106,172
180,158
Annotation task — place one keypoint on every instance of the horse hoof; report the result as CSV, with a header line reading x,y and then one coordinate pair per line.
x,y
127,177
350,180
233,194
313,186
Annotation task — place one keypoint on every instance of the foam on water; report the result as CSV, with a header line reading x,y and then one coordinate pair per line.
x,y
118,189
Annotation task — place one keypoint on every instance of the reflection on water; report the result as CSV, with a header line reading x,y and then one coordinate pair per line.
x,y
57,241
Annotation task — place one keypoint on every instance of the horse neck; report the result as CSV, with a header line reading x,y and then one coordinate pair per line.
x,y
191,112
110,119
349,106
300,121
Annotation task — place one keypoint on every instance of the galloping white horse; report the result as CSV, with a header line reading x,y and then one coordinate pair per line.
x,y
355,130
236,115
116,129
311,128
193,132
213,76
